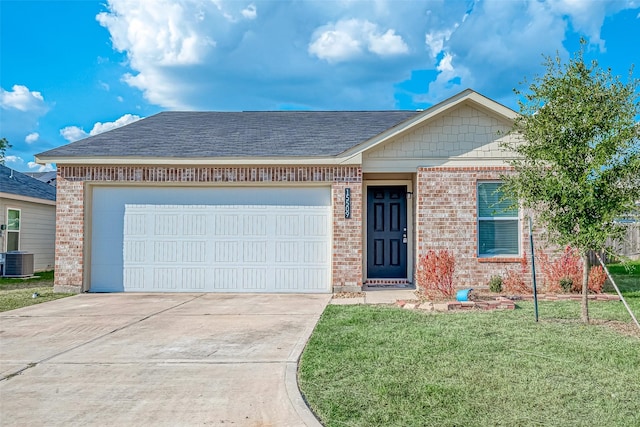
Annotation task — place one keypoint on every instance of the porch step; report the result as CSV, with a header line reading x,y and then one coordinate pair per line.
x,y
373,284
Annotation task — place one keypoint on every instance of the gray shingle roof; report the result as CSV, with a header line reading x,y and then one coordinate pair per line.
x,y
14,182
48,177
237,134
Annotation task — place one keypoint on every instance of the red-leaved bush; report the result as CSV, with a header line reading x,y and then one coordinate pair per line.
x,y
568,266
435,273
597,277
513,281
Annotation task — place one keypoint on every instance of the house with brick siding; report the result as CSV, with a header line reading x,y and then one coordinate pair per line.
x,y
287,201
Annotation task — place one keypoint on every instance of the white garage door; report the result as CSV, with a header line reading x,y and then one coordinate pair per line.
x,y
231,240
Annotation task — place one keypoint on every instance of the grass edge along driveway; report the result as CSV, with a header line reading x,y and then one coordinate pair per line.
x,y
17,293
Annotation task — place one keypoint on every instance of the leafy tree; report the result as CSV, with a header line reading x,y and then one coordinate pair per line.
x,y
4,145
577,146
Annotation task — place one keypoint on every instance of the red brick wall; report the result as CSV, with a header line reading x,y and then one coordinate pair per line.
x,y
347,238
446,218
69,261
347,250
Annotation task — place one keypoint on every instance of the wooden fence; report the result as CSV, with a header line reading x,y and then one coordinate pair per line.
x,y
629,246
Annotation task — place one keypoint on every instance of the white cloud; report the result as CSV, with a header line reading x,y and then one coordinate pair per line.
x,y
22,99
15,160
32,137
250,12
47,167
335,44
387,44
586,17
347,39
201,54
74,133
158,31
158,36
435,40
107,126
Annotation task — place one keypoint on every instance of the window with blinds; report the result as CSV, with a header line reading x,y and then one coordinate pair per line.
x,y
13,230
498,224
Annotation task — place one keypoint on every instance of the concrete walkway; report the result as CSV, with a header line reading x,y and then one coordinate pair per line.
x,y
156,359
378,296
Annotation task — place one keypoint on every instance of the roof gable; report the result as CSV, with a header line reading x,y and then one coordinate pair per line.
x,y
467,97
19,184
461,136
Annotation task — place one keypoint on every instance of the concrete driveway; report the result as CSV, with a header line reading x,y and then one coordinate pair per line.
x,y
156,359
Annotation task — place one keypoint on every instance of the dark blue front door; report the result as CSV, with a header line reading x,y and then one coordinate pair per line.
x,y
387,232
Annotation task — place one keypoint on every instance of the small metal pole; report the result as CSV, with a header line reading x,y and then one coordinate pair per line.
x,y
533,269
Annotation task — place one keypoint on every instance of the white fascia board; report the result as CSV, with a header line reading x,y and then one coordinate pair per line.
x,y
191,161
467,96
21,198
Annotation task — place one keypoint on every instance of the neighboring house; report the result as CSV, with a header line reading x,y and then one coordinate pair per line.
x,y
47,177
287,201
27,217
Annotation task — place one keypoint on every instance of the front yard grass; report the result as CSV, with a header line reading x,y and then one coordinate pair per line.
x,y
17,293
627,277
375,365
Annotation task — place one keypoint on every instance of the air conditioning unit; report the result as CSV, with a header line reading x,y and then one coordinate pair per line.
x,y
18,264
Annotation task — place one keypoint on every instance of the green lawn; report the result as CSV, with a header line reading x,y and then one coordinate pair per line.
x,y
16,293
627,277
385,366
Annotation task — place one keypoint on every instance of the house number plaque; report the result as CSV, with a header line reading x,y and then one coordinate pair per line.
x,y
347,202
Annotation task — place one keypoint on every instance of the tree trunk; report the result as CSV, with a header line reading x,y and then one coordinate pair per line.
x,y
585,288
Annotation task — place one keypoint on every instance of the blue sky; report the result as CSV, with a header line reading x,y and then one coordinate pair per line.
x,y
70,69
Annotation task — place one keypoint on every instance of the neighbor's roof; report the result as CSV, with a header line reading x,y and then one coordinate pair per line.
x,y
48,177
19,184
235,135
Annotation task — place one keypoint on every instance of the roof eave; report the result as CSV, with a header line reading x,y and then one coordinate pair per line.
x,y
22,198
200,161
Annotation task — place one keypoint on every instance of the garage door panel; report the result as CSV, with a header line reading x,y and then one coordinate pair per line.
x,y
254,225
259,252
287,251
281,243
254,279
287,278
134,277
194,225
193,251
227,252
225,279
164,278
194,278
135,251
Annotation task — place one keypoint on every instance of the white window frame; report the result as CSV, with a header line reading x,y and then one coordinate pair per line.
x,y
18,231
479,218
